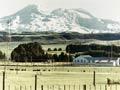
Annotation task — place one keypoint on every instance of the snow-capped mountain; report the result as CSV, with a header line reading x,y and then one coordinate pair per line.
x,y
31,19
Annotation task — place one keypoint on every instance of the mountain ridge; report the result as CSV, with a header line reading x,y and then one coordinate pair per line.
x,y
32,19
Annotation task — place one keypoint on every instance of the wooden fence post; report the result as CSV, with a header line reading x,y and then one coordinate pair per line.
x,y
25,87
84,87
64,87
59,87
15,88
69,87
100,87
30,87
105,87
8,87
53,87
116,87
79,87
94,87
47,87
94,78
110,87
35,82
90,87
74,87
4,80
20,87
41,87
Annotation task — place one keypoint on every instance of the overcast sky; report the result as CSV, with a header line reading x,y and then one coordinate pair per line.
x,y
109,9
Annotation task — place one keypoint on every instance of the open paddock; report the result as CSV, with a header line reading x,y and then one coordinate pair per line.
x,y
58,78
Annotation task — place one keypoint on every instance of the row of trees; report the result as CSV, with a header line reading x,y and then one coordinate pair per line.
x,y
33,52
62,57
95,50
55,49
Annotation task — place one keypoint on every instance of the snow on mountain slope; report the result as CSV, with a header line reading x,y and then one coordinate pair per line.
x,y
31,19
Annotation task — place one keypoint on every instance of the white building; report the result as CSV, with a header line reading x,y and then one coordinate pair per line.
x,y
96,61
83,59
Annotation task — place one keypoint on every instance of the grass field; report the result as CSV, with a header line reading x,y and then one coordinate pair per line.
x,y
71,77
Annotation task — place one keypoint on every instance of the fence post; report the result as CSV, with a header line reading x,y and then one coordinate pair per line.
x,y
4,80
94,87
64,87
74,87
30,87
20,87
59,87
8,87
47,87
105,87
53,87
25,87
94,78
90,87
69,87
35,82
41,87
110,87
116,87
84,87
15,87
100,87
79,87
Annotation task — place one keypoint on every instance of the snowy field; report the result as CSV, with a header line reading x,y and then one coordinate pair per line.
x,y
59,78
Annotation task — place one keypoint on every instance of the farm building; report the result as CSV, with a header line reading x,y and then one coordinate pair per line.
x,y
96,61
84,59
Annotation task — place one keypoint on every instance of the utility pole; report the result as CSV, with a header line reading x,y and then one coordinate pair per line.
x,y
9,34
8,42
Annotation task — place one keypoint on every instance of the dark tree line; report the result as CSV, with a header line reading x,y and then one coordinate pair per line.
x,y
95,50
62,57
33,52
28,52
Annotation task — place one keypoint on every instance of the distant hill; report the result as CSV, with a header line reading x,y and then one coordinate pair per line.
x,y
63,37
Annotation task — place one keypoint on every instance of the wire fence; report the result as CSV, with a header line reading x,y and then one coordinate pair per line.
x,y
62,87
20,82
